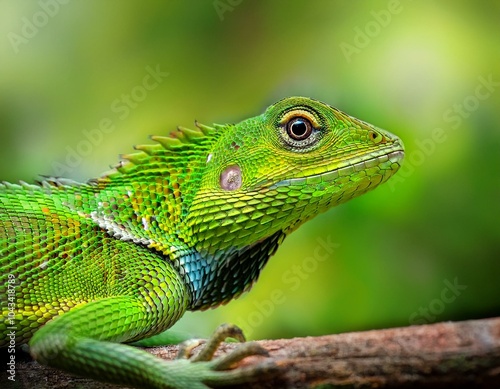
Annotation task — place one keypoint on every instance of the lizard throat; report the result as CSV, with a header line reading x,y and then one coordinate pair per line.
x,y
216,279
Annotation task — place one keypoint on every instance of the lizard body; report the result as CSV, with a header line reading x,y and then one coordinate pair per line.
x,y
184,224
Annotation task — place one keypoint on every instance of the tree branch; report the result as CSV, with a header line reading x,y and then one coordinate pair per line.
x,y
430,356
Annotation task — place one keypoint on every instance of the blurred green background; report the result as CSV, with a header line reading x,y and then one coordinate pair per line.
x,y
422,248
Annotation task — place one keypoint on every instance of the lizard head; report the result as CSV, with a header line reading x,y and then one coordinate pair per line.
x,y
219,200
275,171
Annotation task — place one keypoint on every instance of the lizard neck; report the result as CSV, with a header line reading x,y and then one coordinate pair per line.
x,y
215,279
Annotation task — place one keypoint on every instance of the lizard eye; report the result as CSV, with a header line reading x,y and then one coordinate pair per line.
x,y
299,128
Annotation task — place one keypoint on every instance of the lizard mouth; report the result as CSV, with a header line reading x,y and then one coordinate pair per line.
x,y
351,166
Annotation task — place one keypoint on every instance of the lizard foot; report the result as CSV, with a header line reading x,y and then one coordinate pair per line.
x,y
223,363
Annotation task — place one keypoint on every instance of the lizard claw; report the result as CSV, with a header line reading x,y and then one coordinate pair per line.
x,y
222,332
186,348
220,368
245,350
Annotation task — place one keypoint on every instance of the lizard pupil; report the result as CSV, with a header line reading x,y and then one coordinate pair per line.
x,y
299,128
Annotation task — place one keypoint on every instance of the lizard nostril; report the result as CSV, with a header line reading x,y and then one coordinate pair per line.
x,y
376,137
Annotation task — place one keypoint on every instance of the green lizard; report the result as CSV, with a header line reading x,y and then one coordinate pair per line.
x,y
184,224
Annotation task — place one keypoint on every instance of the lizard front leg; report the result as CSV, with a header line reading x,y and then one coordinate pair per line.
x,y
85,340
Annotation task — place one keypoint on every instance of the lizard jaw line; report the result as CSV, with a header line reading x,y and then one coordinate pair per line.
x,y
350,167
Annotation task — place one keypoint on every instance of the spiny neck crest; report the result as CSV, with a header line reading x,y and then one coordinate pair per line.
x,y
155,158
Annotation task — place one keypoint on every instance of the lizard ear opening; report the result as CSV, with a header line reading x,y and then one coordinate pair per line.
x,y
230,178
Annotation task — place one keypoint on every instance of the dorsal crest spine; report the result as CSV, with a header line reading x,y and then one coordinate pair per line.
x,y
167,147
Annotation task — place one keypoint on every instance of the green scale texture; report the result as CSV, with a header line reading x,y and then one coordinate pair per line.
x,y
184,224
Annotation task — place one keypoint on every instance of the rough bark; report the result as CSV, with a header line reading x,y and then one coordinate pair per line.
x,y
429,356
